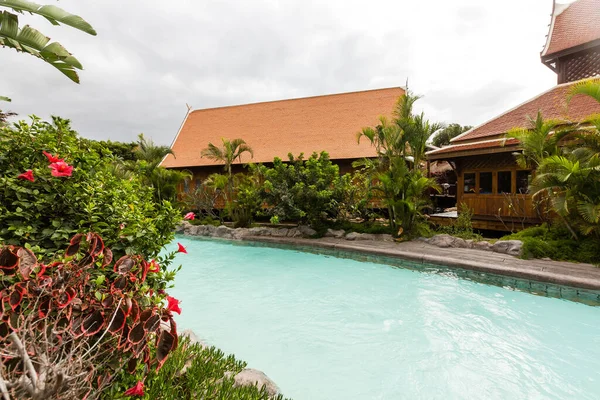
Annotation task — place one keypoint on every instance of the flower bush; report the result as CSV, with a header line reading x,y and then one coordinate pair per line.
x,y
68,326
55,184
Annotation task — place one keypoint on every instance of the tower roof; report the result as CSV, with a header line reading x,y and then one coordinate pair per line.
x,y
573,26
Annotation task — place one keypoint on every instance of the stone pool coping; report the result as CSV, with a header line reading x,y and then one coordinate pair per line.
x,y
584,276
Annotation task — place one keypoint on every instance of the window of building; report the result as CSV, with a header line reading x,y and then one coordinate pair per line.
x,y
523,181
186,186
504,182
485,182
469,183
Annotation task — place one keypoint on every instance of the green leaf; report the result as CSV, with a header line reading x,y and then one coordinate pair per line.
x,y
3,98
54,14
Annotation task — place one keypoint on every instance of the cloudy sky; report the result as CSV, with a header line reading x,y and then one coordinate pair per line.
x,y
471,59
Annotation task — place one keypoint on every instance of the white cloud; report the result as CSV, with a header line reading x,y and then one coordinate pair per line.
x,y
470,59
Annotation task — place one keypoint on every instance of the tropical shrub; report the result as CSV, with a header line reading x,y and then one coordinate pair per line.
x,y
396,175
68,325
303,190
555,242
462,227
54,185
568,172
246,202
191,372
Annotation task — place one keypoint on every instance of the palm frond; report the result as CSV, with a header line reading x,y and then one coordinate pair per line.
x,y
29,40
54,14
590,212
589,87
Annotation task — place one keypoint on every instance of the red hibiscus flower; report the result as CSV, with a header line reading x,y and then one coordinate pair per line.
x,y
154,267
137,390
190,216
51,158
181,249
60,169
173,305
27,175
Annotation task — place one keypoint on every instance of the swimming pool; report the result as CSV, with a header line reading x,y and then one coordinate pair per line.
x,y
324,327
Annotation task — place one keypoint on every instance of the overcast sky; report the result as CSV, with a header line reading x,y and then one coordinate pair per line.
x,y
471,59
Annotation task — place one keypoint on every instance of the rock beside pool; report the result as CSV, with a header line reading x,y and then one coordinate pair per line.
x,y
254,377
445,241
369,236
510,247
306,231
224,232
338,234
482,245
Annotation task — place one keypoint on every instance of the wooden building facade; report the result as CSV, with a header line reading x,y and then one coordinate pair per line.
x,y
489,180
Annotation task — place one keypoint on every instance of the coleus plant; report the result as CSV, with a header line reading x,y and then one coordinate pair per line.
x,y
117,307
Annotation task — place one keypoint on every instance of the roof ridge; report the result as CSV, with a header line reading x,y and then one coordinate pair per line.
x,y
299,98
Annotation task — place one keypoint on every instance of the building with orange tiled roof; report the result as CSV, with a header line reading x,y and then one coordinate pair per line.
x,y
275,128
488,178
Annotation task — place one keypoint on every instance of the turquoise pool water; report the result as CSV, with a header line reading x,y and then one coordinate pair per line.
x,y
331,328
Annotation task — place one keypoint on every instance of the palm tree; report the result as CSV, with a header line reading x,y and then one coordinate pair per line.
x,y
231,151
398,144
146,150
26,39
539,141
571,178
148,158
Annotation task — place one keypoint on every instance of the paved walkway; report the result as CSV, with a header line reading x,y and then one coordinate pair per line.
x,y
583,276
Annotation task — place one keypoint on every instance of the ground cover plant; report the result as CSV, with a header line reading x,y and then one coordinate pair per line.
x,y
554,241
192,371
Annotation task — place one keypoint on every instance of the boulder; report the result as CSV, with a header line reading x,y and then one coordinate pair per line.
x,y
259,231
210,230
294,232
352,236
511,247
384,237
223,232
254,377
306,231
202,230
239,233
443,241
338,234
181,227
482,245
283,232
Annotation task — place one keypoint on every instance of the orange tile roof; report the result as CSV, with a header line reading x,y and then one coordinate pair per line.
x,y
275,128
470,147
573,25
552,104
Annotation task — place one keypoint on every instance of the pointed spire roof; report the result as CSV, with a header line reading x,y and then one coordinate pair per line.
x,y
572,27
